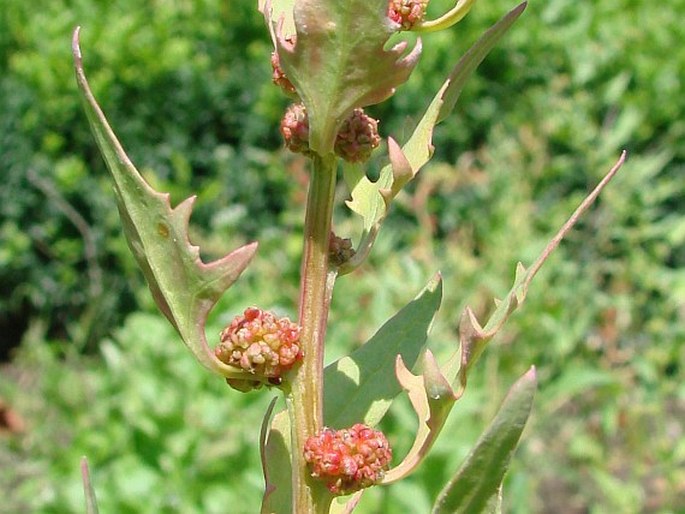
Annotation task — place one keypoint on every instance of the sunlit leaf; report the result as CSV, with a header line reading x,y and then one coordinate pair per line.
x,y
184,288
361,386
370,200
325,59
434,391
476,486
474,337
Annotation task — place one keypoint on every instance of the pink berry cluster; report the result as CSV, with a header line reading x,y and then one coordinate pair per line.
x,y
295,129
348,460
260,343
356,139
407,13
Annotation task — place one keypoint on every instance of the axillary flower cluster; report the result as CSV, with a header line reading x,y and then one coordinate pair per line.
x,y
261,344
348,460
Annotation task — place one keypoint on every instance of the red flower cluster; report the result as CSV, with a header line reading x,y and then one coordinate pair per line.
x,y
339,250
350,459
260,343
357,137
295,129
407,13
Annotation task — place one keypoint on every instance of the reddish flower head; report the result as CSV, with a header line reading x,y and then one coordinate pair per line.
x,y
295,129
407,13
339,250
260,343
357,137
348,460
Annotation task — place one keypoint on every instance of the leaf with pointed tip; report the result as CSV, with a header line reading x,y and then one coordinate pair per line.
x,y
371,200
91,501
475,488
184,288
473,337
337,60
432,393
360,387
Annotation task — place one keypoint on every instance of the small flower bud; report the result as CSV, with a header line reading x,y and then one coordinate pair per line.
x,y
339,250
348,460
295,129
357,137
261,344
279,77
407,13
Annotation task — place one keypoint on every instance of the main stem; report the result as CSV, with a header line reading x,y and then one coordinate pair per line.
x,y
305,398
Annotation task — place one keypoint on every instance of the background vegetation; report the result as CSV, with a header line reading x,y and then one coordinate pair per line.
x,y
186,87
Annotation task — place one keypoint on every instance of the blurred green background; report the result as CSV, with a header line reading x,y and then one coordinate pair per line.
x,y
186,85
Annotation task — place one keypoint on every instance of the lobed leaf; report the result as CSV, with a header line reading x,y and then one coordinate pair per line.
x,y
337,58
473,337
476,486
184,288
371,200
434,392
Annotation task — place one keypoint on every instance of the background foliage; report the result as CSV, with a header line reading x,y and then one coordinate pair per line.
x,y
186,86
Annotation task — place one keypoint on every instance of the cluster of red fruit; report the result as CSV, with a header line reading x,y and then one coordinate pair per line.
x,y
348,460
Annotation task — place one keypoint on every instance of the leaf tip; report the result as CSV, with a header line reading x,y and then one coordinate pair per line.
x,y
84,467
75,44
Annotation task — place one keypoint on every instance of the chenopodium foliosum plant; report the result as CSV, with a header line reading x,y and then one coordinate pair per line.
x,y
322,451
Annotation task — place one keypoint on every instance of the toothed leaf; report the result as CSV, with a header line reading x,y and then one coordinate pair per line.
x,y
370,200
324,59
184,288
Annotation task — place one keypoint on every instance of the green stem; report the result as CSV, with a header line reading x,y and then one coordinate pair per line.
x,y
305,398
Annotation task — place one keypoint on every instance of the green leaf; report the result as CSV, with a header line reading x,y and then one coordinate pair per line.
x,y
371,200
475,488
432,393
360,387
338,61
454,15
91,501
473,337
184,288
276,463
